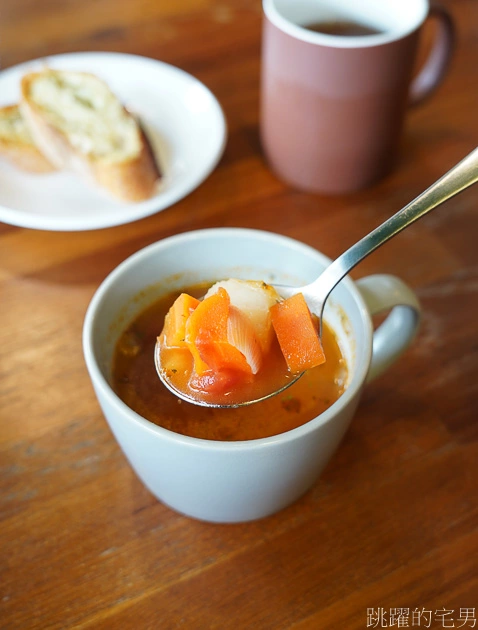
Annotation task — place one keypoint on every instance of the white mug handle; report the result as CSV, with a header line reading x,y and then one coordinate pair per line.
x,y
383,292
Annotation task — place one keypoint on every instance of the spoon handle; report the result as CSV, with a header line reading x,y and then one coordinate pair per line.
x,y
461,176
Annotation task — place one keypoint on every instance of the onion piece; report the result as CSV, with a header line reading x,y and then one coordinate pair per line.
x,y
241,335
254,299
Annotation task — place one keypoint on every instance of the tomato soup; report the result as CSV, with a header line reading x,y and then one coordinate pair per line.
x,y
136,382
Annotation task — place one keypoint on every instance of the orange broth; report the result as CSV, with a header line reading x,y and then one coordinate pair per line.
x,y
135,381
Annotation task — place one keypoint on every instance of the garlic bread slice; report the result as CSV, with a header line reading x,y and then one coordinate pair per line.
x,y
80,125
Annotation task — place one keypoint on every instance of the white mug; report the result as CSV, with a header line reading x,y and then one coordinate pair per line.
x,y
240,481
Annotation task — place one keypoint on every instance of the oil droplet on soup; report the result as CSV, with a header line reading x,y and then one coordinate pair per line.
x,y
136,382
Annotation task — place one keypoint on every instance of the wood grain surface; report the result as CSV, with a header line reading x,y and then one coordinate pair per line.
x,y
392,522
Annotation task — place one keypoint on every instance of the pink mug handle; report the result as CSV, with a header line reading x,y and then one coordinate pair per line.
x,y
436,64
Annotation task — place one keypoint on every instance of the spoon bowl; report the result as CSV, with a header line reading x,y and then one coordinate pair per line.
x,y
457,179
203,403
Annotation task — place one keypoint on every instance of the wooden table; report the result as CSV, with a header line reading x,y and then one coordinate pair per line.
x,y
392,523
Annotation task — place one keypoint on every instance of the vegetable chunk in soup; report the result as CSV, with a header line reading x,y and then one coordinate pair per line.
x,y
136,382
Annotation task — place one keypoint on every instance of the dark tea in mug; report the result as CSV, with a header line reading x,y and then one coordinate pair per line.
x,y
342,28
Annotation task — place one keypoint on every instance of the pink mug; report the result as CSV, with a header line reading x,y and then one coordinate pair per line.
x,y
333,100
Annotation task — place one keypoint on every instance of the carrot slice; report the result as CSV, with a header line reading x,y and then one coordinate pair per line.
x,y
174,330
207,336
297,334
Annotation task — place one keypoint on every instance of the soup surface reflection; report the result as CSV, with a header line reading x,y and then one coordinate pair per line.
x,y
135,381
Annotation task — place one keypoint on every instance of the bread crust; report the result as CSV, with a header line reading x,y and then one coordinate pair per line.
x,y
23,155
134,180
130,180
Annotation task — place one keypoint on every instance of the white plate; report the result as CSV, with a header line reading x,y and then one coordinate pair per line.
x,y
181,117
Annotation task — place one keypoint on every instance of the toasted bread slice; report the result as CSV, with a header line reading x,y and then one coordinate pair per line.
x,y
80,125
16,142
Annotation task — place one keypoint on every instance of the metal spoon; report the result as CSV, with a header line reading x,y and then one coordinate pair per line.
x,y
457,179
